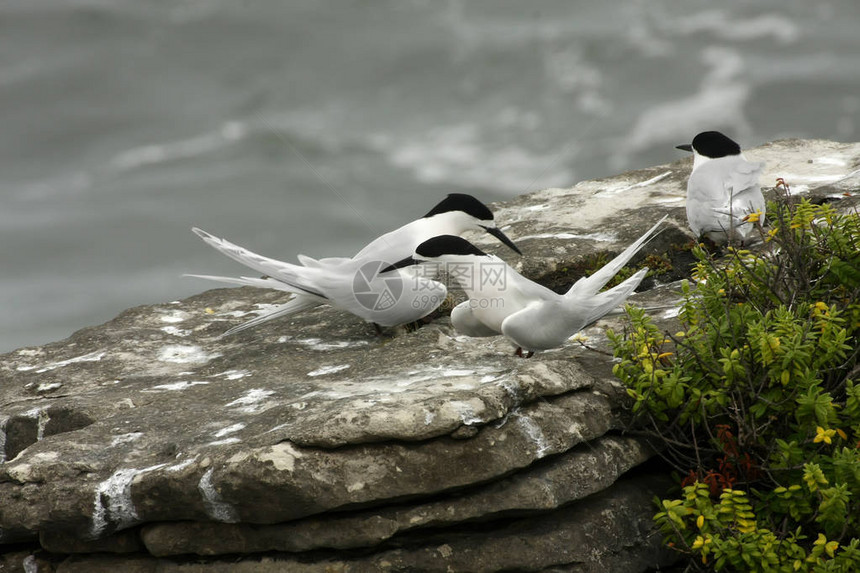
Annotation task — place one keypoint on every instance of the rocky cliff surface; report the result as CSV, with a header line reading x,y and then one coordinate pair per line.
x,y
311,444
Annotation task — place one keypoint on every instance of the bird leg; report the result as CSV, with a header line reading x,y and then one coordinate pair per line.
x,y
416,324
377,328
519,352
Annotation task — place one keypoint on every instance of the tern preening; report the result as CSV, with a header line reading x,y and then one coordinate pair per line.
x,y
502,301
723,189
353,284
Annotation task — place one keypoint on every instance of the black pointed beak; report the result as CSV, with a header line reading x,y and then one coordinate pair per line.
x,y
497,233
407,262
685,147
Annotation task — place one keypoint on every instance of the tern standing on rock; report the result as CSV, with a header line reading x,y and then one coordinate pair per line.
x,y
723,189
353,284
502,301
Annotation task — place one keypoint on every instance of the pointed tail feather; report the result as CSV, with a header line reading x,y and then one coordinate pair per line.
x,y
592,284
299,304
248,281
285,272
606,301
311,262
307,261
261,283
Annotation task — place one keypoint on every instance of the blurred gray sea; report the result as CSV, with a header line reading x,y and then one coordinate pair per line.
x,y
313,126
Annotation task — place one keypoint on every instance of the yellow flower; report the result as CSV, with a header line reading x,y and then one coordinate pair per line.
x,y
822,435
753,217
699,542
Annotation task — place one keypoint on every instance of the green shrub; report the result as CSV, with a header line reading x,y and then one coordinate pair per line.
x,y
755,401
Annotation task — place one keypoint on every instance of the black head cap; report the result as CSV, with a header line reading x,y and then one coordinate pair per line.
x,y
462,202
714,144
447,245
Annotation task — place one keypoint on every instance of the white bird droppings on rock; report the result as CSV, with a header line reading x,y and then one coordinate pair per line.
x,y
621,189
175,316
328,370
3,422
29,351
173,331
829,161
216,507
600,237
664,200
182,354
454,372
91,357
224,442
181,385
233,374
125,438
672,313
467,410
181,465
113,501
319,344
249,402
235,313
30,564
229,430
48,386
41,416
534,433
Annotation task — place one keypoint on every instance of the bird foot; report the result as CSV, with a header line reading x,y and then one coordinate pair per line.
x,y
519,352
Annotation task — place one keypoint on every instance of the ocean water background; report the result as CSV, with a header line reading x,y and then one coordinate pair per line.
x,y
313,126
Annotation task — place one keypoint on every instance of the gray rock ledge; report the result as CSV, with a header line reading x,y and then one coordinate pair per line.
x,y
150,444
